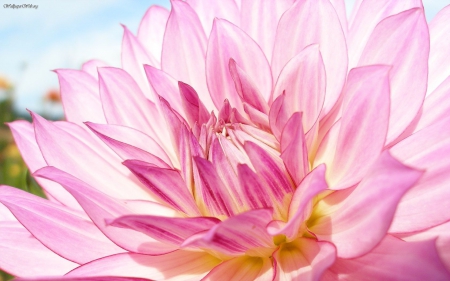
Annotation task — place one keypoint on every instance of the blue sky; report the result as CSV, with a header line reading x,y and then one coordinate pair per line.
x,y
66,33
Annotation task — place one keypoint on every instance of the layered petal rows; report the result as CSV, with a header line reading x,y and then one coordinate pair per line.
x,y
245,140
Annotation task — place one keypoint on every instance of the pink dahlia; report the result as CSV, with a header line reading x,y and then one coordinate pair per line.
x,y
253,140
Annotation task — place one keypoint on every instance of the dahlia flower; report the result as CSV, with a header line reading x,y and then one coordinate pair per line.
x,y
246,140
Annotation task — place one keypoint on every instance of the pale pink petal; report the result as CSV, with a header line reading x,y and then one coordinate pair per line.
x,y
257,117
166,230
129,143
246,89
311,22
303,81
301,203
441,233
101,208
304,259
393,259
166,184
151,30
439,61
403,42
260,21
361,136
123,102
104,171
435,107
260,135
426,204
227,42
339,6
184,49
366,15
24,256
134,56
176,266
327,147
91,67
24,137
194,108
58,227
207,11
278,115
80,97
84,278
237,235
356,224
243,269
293,148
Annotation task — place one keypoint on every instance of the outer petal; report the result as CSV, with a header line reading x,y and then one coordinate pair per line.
x,y
134,56
364,125
24,256
403,42
426,204
366,17
101,207
311,22
303,80
104,171
91,66
243,269
151,30
58,227
304,259
179,266
439,61
80,98
84,278
394,260
260,21
185,41
24,137
356,224
228,41
243,233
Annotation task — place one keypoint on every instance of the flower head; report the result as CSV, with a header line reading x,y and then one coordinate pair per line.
x,y
262,140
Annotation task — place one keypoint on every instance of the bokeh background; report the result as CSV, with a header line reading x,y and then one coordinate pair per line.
x,y
62,34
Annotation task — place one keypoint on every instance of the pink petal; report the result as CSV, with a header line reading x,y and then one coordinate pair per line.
x,y
193,107
166,230
304,259
441,233
24,137
361,136
129,143
246,89
91,67
134,56
123,102
58,227
365,20
339,6
101,208
84,278
104,171
243,268
426,204
176,266
403,42
357,222
185,41
311,22
260,21
237,235
278,115
28,257
80,98
151,30
301,203
207,11
439,61
392,259
165,184
303,80
227,42
293,147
